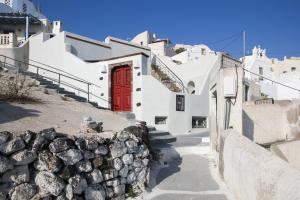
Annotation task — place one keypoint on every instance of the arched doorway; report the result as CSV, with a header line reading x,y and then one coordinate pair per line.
x,y
121,88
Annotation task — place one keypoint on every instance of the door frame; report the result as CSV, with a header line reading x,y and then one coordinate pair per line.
x,y
111,68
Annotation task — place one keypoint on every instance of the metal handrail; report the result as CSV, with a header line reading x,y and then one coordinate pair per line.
x,y
59,81
175,78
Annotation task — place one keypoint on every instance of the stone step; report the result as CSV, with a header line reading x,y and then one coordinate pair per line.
x,y
158,133
65,92
44,82
52,86
95,104
75,97
127,115
162,139
151,128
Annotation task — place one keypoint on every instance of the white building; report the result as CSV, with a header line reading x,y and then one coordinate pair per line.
x,y
143,78
267,71
13,16
19,20
129,77
190,53
160,47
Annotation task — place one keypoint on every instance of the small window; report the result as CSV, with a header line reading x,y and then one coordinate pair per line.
x,y
293,69
24,8
284,72
180,103
142,43
261,72
160,120
203,51
199,122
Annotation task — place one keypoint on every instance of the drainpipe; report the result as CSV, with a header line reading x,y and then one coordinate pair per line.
x,y
27,28
227,113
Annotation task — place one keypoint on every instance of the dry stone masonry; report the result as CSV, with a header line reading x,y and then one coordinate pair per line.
x,y
49,165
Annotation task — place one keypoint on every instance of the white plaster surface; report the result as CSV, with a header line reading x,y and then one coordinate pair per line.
x,y
288,151
251,172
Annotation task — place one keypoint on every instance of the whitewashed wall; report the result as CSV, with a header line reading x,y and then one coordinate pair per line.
x,y
154,98
16,53
254,173
122,47
197,71
291,79
56,53
86,48
159,101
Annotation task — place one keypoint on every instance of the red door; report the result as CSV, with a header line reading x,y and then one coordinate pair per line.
x,y
121,88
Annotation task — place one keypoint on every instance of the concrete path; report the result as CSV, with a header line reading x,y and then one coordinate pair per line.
x,y
188,173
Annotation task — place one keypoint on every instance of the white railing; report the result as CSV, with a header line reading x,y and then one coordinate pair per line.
x,y
8,40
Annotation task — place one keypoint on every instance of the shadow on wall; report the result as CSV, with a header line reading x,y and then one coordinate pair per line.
x,y
10,113
171,166
248,126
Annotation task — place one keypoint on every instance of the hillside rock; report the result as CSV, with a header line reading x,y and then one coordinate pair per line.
x,y
23,191
12,146
5,164
23,157
71,156
49,183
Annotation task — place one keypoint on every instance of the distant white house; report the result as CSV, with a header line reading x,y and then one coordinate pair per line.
x,y
190,52
19,20
286,71
13,16
160,47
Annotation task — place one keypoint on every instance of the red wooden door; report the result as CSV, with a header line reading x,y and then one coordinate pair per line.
x,y
121,89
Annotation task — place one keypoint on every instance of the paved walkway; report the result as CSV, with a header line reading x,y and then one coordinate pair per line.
x,y
188,174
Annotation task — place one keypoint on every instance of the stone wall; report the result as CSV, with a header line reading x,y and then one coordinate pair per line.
x,y
270,123
49,165
288,151
253,173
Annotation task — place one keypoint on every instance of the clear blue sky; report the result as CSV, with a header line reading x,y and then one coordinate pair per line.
x,y
274,24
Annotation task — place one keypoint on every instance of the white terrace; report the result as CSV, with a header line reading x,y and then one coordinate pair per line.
x,y
126,77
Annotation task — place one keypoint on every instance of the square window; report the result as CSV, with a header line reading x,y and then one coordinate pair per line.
x,y
199,122
261,71
160,120
180,103
293,69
